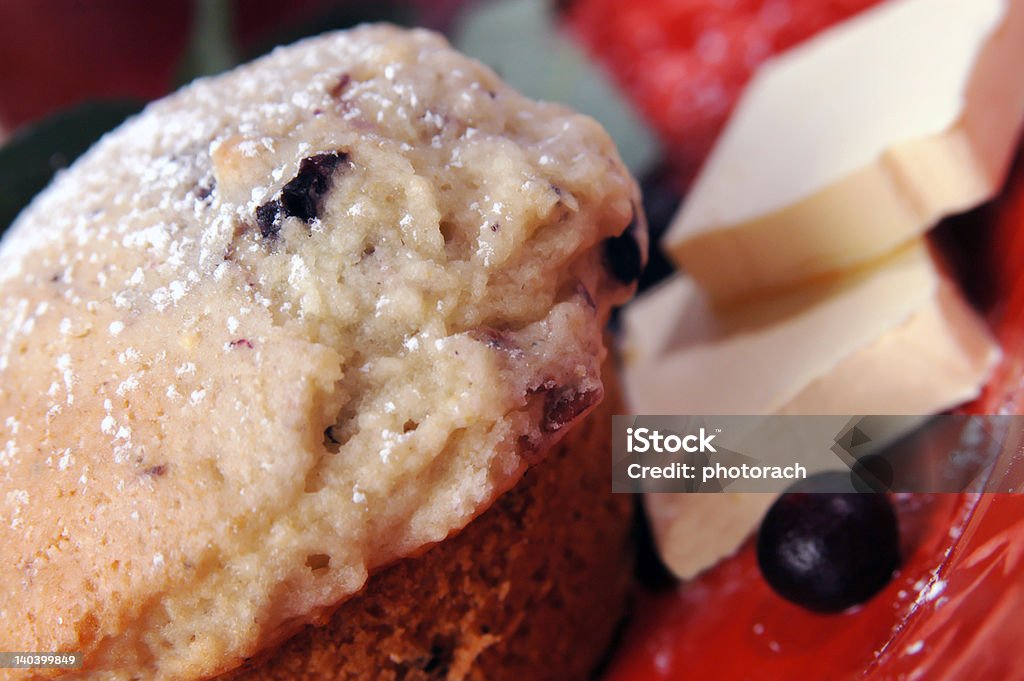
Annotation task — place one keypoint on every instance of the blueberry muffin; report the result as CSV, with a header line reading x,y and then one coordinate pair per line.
x,y
284,328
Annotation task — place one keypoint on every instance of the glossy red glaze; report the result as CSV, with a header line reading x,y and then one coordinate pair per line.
x,y
728,624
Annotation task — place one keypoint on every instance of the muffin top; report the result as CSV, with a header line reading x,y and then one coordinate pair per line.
x,y
285,326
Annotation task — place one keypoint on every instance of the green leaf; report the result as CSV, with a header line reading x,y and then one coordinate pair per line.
x,y
30,159
211,46
519,40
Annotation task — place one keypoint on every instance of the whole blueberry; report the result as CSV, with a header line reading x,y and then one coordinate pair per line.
x,y
828,552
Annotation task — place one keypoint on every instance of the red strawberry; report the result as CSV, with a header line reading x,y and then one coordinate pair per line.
x,y
684,62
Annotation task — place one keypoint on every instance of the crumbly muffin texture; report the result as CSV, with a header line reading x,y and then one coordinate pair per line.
x,y
534,588
282,328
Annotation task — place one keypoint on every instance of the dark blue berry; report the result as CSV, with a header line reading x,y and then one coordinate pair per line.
x,y
267,218
661,201
623,255
829,552
303,195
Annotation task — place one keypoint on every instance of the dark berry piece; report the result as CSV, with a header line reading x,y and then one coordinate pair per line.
x,y
268,218
205,190
661,201
339,86
829,552
623,255
303,196
563,406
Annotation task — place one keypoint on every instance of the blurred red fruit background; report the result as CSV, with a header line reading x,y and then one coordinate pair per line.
x,y
684,62
57,53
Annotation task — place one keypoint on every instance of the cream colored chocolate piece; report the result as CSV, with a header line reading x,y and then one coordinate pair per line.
x,y
894,338
284,327
855,142
695,531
